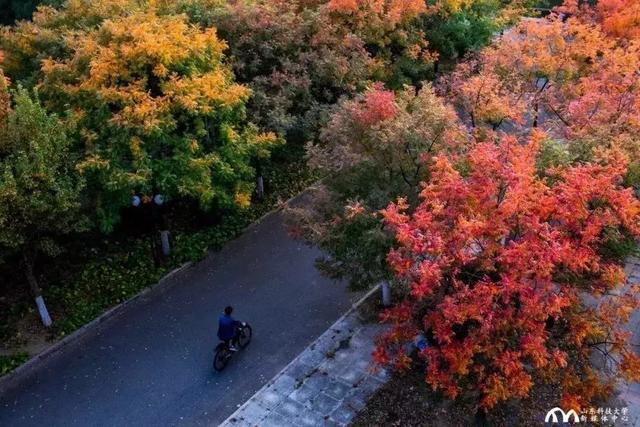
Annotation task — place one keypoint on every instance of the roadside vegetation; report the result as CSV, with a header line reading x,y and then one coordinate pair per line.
x,y
480,158
9,363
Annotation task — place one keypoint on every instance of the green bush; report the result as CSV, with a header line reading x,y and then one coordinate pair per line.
x,y
9,363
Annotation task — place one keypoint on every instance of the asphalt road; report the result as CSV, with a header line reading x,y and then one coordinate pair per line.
x,y
151,365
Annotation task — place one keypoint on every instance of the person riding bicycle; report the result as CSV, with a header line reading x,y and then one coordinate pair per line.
x,y
227,328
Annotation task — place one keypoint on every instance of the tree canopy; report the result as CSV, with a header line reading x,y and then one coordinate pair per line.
x,y
40,190
498,198
496,261
157,107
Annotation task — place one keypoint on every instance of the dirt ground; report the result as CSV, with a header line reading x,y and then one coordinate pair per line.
x,y
407,401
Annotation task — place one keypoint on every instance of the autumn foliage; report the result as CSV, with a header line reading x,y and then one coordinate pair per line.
x,y
158,108
372,149
391,12
496,260
619,18
391,132
296,63
512,173
506,260
565,75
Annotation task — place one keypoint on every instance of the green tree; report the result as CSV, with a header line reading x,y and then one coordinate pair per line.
x,y
159,112
469,28
40,190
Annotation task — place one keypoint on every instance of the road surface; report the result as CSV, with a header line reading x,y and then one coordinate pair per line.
x,y
151,365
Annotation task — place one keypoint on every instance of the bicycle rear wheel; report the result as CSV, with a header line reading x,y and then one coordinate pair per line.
x,y
221,358
244,336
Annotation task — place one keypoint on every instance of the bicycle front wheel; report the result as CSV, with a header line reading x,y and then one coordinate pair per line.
x,y
244,336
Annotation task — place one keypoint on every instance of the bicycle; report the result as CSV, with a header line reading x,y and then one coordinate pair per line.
x,y
223,354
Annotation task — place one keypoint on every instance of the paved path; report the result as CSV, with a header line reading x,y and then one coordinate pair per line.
x,y
630,393
151,365
326,385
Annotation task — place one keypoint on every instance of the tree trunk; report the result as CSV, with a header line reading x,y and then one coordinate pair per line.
x,y
36,291
156,251
164,242
260,187
160,234
386,294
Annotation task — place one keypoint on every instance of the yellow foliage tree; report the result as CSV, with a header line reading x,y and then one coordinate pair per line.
x,y
158,108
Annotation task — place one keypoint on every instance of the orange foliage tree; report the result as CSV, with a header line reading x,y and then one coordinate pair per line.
x,y
565,75
619,18
499,262
30,41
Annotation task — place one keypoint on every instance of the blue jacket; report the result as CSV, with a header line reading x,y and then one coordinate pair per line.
x,y
226,327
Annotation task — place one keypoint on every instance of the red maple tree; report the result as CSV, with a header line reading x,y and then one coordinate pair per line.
x,y
507,276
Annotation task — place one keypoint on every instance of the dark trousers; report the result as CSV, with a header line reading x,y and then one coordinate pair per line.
x,y
233,341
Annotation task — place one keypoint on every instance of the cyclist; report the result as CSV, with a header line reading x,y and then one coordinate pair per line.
x,y
227,328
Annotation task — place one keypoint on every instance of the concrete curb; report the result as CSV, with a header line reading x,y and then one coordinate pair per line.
x,y
12,377
354,307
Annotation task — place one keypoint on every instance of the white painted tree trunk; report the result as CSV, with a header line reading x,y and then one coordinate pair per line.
x,y
36,291
44,313
164,242
386,294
